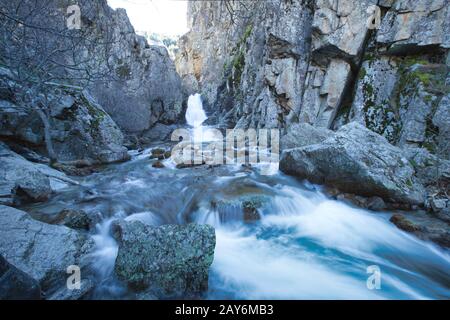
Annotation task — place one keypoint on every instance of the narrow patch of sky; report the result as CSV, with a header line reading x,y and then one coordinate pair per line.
x,y
165,17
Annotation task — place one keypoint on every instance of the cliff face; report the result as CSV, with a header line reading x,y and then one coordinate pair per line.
x,y
146,87
125,86
325,62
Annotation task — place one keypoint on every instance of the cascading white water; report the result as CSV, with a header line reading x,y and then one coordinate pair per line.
x,y
195,115
304,246
310,247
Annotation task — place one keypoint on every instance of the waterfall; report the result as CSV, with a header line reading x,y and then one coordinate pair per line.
x,y
195,115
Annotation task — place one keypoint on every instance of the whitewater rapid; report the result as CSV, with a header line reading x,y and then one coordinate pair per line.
x,y
305,246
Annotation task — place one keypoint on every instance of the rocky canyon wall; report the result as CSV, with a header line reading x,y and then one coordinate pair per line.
x,y
326,63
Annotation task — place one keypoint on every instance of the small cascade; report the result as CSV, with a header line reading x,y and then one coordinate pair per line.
x,y
195,115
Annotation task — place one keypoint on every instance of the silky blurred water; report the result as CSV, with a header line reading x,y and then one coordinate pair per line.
x,y
305,246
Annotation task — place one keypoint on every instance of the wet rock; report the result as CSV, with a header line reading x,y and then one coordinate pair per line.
x,y
424,225
42,250
359,161
158,154
404,224
172,260
65,294
158,165
16,284
376,204
75,219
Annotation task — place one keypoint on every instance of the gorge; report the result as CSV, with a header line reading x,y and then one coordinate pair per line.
x,y
359,91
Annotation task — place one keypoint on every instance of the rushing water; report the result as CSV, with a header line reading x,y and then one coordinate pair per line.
x,y
305,246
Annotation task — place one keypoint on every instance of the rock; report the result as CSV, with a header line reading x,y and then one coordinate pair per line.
x,y
158,165
415,23
41,250
158,154
64,294
83,131
441,120
404,224
359,161
16,284
303,134
251,212
160,132
341,27
172,260
21,180
147,89
245,207
375,88
424,226
429,168
438,204
376,204
75,219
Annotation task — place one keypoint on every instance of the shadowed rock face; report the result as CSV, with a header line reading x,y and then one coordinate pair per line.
x,y
16,284
41,250
358,161
146,89
81,129
173,261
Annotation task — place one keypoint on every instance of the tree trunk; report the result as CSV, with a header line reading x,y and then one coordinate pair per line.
x,y
47,136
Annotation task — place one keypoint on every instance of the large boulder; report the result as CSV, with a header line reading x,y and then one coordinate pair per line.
x,y
303,134
80,127
23,180
172,260
359,161
41,250
16,284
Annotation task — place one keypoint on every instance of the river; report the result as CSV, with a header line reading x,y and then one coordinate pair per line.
x,y
304,246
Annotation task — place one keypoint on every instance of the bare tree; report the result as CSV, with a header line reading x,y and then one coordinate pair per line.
x,y
42,54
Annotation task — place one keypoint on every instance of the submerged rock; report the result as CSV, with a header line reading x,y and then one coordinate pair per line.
x,y
404,224
425,226
359,161
16,284
172,260
158,165
41,250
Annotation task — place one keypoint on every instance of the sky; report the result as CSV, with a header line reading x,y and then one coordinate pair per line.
x,y
167,17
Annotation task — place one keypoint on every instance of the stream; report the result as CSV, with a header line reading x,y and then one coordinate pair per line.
x,y
304,246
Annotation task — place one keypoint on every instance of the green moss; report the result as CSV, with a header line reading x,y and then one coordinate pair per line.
x,y
97,115
409,183
237,64
362,73
123,72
